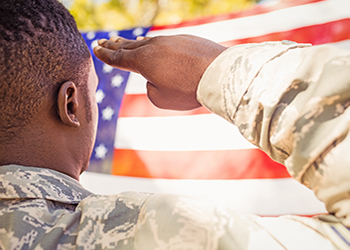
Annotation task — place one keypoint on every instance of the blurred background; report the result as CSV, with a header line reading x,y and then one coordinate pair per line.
x,y
125,14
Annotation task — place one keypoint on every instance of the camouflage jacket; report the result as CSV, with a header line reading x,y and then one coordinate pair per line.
x,y
280,97
291,100
44,209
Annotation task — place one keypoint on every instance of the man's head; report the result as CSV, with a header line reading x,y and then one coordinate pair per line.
x,y
47,84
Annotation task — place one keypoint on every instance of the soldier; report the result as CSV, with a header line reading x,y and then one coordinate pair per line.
x,y
291,100
48,125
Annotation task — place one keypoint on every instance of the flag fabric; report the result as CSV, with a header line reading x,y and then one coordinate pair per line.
x,y
109,94
144,148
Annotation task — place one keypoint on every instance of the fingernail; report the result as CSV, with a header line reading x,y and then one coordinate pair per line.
x,y
101,41
114,38
140,38
98,47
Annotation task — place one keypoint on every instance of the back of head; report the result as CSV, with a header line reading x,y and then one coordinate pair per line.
x,y
40,48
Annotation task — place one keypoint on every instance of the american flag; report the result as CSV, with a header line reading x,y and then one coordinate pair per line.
x,y
143,148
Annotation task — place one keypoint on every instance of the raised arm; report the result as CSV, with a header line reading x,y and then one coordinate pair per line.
x,y
290,100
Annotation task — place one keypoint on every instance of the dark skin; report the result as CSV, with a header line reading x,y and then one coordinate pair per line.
x,y
59,137
173,65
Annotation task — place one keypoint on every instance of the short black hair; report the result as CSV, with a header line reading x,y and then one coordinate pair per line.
x,y
40,49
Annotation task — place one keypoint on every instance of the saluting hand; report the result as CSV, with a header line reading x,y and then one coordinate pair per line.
x,y
172,65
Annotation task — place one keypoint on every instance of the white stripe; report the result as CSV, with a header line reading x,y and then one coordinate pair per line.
x,y
262,24
259,196
178,133
136,84
342,44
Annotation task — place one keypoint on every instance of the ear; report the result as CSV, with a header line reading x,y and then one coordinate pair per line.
x,y
67,103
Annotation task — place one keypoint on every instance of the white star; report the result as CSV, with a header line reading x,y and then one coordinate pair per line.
x,y
113,33
101,151
107,68
117,81
107,113
100,95
94,43
138,31
90,35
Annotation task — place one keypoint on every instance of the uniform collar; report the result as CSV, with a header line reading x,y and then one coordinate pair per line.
x,y
32,182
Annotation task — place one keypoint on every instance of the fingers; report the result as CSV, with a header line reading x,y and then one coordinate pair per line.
x,y
122,53
118,52
121,59
140,38
108,44
117,42
106,55
114,43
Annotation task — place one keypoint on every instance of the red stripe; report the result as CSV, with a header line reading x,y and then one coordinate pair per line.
x,y
140,106
221,164
257,9
316,34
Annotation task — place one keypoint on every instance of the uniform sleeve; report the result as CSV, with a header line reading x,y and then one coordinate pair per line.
x,y
291,101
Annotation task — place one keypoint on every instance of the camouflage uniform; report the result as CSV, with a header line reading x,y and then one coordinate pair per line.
x,y
273,107
44,209
291,100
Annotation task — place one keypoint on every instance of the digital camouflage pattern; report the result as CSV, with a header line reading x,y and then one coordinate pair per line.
x,y
45,209
291,100
269,92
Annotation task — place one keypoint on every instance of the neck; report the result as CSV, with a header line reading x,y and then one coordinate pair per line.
x,y
38,150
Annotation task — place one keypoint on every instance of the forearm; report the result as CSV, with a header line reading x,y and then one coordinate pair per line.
x,y
267,89
292,103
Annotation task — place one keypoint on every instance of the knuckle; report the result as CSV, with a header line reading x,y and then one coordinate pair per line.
x,y
114,58
158,39
146,52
